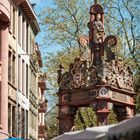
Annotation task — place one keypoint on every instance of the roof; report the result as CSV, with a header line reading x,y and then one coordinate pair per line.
x,y
29,13
87,134
126,127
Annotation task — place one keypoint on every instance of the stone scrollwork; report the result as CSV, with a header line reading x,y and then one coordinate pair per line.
x,y
120,75
80,75
64,79
109,43
83,41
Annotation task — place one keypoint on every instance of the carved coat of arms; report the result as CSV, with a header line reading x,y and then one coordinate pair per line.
x,y
78,73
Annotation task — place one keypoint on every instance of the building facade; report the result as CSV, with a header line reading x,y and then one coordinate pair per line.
x,y
20,61
4,23
35,65
42,135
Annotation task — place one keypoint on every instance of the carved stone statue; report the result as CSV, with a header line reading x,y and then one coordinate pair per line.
x,y
85,51
98,30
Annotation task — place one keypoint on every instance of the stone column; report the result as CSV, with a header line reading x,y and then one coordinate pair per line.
x,y
4,78
102,112
66,118
65,123
121,112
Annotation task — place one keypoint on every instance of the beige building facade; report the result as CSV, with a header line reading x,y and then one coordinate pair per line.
x,y
42,135
20,61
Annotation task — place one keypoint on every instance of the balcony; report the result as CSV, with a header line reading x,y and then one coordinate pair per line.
x,y
41,80
42,131
42,77
43,106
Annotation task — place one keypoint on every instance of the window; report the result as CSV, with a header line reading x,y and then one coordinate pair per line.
x,y
23,78
13,69
9,118
26,80
14,20
19,73
19,27
10,66
19,120
27,39
23,123
26,124
23,33
13,121
12,27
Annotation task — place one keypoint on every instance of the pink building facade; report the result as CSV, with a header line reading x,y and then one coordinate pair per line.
x,y
4,24
20,61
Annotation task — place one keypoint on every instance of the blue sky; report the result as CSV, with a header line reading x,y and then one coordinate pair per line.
x,y
40,5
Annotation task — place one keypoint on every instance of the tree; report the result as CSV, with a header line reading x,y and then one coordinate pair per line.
x,y
64,22
85,117
68,19
122,19
62,25
137,90
51,123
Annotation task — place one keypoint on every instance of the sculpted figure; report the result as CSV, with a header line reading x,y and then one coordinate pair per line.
x,y
85,51
98,30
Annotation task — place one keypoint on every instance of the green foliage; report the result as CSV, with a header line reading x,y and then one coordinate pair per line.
x,y
122,19
65,21
88,118
64,57
112,117
51,123
137,90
